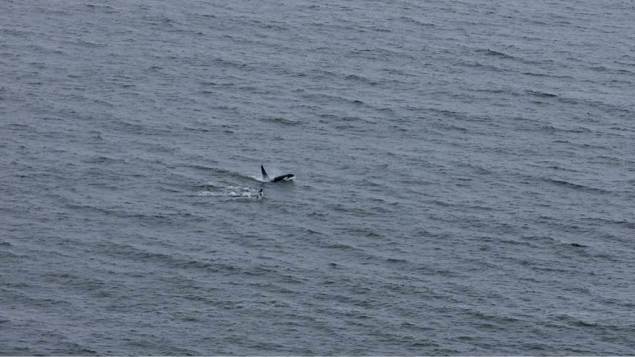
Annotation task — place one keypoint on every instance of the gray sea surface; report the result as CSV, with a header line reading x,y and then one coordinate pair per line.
x,y
465,177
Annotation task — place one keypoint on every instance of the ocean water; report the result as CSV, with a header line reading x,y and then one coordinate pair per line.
x,y
465,176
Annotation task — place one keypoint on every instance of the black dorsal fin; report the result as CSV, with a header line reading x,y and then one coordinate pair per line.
x,y
264,173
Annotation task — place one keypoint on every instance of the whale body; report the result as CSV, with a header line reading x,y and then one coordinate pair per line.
x,y
281,178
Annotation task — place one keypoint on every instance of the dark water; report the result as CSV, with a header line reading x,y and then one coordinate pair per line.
x,y
465,177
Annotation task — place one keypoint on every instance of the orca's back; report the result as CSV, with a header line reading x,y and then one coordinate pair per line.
x,y
287,177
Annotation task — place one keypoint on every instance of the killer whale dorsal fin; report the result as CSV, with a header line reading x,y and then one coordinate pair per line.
x,y
264,173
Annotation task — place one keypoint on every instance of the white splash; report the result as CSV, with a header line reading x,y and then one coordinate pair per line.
x,y
233,192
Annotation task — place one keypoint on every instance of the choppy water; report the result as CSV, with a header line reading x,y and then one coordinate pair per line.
x,y
465,177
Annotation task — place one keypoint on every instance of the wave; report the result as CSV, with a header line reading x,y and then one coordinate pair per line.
x,y
540,94
281,121
143,254
499,54
575,186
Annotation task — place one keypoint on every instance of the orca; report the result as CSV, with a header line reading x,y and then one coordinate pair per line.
x,y
281,178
